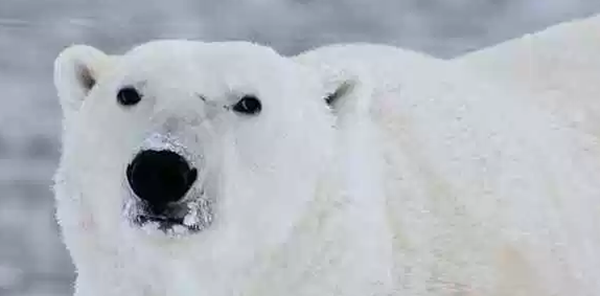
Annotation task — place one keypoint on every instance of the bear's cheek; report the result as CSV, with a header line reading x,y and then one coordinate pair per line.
x,y
98,181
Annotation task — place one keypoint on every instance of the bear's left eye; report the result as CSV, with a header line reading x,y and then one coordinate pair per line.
x,y
248,105
128,96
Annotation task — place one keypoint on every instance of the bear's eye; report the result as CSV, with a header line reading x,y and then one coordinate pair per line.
x,y
248,105
128,96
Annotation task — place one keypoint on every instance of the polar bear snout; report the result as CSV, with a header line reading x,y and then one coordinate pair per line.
x,y
160,177
166,187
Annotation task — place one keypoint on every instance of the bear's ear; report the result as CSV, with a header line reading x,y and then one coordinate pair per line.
x,y
335,98
348,96
76,71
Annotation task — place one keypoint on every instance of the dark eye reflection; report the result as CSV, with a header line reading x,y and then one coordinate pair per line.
x,y
128,96
248,104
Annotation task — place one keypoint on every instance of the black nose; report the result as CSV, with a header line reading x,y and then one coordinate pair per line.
x,y
160,177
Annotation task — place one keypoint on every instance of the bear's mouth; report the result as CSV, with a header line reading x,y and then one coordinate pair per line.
x,y
159,219
180,218
163,223
166,192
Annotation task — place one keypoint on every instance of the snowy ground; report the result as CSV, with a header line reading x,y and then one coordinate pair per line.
x,y
32,259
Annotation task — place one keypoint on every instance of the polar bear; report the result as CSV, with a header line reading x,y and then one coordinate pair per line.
x,y
193,168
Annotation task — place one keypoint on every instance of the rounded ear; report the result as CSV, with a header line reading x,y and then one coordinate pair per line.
x,y
76,71
335,98
348,92
341,88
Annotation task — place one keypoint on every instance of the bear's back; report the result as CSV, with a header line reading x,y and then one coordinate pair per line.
x,y
485,191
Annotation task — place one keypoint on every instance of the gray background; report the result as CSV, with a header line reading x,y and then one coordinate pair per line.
x,y
32,259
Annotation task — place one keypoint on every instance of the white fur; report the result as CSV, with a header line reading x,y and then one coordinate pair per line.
x,y
559,68
487,193
423,180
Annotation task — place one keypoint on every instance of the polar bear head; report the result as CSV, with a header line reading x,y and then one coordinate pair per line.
x,y
187,143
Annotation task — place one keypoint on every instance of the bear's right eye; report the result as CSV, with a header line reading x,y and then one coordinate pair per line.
x,y
248,104
128,96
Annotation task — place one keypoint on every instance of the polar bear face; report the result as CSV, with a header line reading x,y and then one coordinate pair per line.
x,y
182,141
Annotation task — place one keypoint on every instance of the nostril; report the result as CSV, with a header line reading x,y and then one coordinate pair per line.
x,y
160,177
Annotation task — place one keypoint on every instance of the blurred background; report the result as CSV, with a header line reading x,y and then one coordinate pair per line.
x,y
33,260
